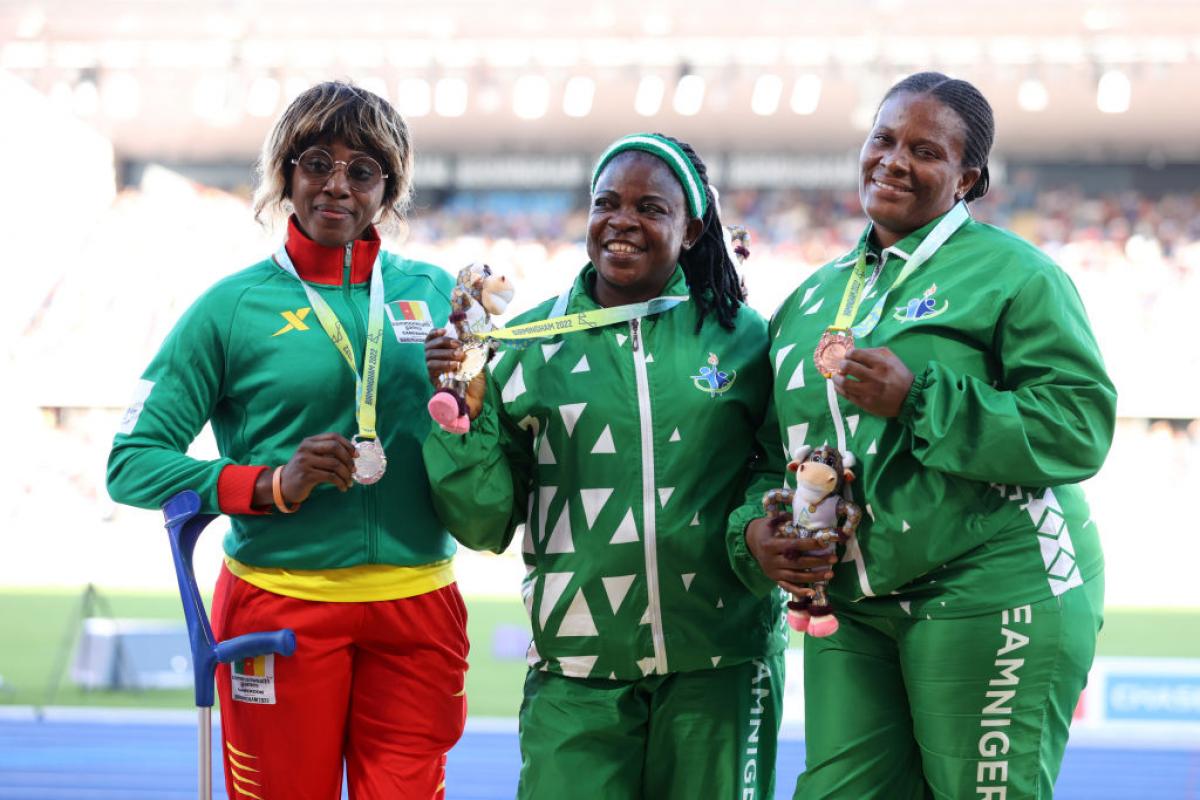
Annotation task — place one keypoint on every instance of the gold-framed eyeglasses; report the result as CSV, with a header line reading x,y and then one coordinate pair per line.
x,y
363,173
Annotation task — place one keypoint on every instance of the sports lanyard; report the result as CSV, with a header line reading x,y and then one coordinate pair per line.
x,y
584,320
853,296
366,384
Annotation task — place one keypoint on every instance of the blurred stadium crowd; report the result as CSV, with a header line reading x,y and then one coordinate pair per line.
x,y
1135,259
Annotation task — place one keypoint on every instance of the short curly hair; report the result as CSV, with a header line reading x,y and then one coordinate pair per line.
x,y
337,110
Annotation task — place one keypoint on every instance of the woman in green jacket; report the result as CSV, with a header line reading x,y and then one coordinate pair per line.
x,y
974,399
326,537
621,446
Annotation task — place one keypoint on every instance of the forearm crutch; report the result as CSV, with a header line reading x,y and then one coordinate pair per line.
x,y
184,525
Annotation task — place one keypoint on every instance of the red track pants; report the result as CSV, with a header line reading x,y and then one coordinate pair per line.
x,y
378,686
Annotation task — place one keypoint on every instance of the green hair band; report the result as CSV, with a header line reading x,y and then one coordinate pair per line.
x,y
669,152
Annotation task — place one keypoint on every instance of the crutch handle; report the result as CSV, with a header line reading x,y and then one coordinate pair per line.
x,y
250,645
184,525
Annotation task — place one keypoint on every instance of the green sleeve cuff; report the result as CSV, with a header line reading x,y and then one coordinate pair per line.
x,y
911,404
741,560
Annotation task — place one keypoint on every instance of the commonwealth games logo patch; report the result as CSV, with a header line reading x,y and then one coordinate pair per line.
x,y
713,381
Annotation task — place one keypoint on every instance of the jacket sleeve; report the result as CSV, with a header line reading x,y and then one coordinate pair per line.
x,y
765,471
1050,419
480,481
176,395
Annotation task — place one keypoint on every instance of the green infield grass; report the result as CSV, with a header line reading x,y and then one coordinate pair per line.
x,y
38,628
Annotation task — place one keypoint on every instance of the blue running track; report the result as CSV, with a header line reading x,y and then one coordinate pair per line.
x,y
151,756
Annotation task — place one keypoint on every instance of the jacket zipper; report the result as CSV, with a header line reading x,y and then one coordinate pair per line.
x,y
649,499
368,491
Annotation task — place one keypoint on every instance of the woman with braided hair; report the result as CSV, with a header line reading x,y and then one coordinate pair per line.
x,y
955,361
621,445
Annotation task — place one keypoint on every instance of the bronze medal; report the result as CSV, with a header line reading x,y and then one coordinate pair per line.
x,y
833,347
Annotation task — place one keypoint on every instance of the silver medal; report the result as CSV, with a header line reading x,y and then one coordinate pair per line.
x,y
369,461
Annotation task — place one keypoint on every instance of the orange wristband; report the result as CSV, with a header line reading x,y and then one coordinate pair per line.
x,y
277,491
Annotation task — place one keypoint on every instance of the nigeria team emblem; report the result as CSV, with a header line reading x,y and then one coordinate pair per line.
x,y
712,380
923,307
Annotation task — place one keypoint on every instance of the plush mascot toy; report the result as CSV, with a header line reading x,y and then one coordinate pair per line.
x,y
477,295
819,511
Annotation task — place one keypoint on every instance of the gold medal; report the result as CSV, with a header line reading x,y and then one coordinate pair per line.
x,y
834,346
369,461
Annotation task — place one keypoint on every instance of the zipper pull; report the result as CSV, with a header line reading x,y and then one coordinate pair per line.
x,y
633,333
349,257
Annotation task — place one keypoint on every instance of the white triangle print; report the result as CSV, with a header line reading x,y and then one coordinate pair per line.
x,y
582,366
552,588
515,387
621,339
872,450
646,665
528,588
530,423
716,660
797,379
616,588
578,620
548,350
577,666
852,423
815,308
499,357
649,358
560,538
612,676
545,496
545,454
781,354
593,501
907,606
605,443
904,526
645,620
796,434
870,512
675,437
808,293
570,415
626,531
695,520
688,577
720,602
664,495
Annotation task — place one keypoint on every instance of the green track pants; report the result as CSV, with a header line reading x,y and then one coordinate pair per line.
x,y
976,707
706,734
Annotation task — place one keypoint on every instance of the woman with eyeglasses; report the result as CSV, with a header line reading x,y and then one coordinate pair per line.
x,y
310,367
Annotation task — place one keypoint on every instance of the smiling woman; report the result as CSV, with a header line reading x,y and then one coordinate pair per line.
x,y
328,536
973,396
622,449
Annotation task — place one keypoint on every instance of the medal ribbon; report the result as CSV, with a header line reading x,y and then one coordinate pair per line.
x,y
585,320
366,384
852,297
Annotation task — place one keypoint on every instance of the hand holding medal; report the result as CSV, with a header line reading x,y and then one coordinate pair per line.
x,y
874,379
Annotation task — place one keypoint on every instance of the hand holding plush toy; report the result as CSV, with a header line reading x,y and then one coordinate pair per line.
x,y
821,512
477,295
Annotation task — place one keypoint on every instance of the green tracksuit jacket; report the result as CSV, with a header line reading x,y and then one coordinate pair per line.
x,y
612,448
971,494
238,357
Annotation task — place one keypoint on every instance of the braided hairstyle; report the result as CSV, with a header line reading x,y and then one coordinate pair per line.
x,y
972,108
712,276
